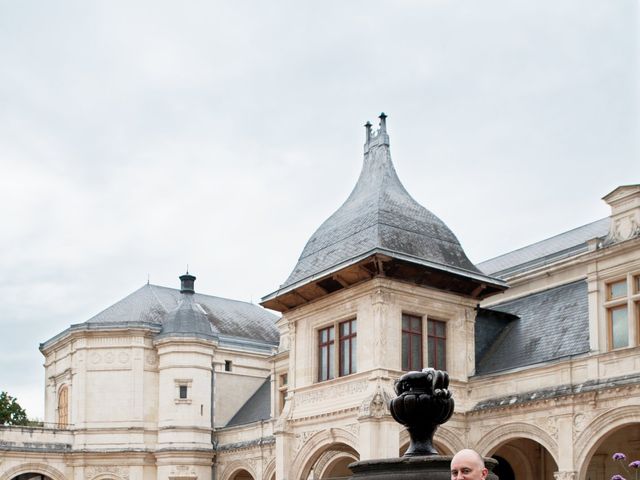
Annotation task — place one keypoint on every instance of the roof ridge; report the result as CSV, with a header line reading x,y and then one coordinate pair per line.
x,y
542,241
157,298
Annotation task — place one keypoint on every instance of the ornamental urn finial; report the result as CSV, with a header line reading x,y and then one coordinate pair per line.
x,y
423,403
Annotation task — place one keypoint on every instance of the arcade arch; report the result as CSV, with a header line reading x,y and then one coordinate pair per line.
x,y
307,462
32,471
599,463
525,450
241,474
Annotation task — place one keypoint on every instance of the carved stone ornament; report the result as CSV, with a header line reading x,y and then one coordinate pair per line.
x,y
551,427
182,472
376,405
114,470
301,438
623,228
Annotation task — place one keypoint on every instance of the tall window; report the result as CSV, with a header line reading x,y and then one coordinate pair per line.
x,y
63,407
411,342
345,363
348,349
623,306
326,352
437,335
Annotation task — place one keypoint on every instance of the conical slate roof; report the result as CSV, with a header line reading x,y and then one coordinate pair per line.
x,y
380,215
187,319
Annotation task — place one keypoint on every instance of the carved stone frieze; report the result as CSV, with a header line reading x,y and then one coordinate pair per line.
x,y
109,359
329,393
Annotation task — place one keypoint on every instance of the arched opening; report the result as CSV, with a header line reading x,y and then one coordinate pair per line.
x,y
525,459
332,463
625,439
31,476
241,475
504,471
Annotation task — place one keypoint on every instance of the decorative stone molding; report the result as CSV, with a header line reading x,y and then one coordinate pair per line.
x,y
96,471
580,421
302,438
321,394
107,359
565,475
550,424
183,472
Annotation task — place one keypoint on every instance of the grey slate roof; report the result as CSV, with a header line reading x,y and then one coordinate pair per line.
x,y
169,311
257,408
546,251
188,318
379,214
551,324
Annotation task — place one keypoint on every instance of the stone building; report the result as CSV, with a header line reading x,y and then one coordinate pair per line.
x,y
542,346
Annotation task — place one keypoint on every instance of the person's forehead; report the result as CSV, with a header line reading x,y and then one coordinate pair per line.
x,y
465,460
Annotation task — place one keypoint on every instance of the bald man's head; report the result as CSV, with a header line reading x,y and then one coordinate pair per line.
x,y
467,464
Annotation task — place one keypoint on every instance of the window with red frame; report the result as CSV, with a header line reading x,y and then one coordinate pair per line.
x,y
437,338
326,352
411,342
348,338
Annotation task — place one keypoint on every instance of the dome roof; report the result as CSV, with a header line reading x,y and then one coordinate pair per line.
x,y
379,214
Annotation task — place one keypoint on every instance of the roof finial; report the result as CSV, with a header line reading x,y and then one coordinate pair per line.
x,y
383,122
187,269
367,126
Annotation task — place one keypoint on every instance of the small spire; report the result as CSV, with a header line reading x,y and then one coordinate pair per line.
x,y
368,126
383,122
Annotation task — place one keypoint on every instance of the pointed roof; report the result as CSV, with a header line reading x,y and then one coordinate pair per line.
x,y
380,216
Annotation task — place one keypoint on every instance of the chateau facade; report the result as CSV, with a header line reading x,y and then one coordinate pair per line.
x,y
542,346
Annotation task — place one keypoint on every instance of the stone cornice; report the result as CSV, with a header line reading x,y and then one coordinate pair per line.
x,y
560,394
247,444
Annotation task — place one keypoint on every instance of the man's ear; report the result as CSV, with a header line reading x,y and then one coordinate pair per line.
x,y
485,472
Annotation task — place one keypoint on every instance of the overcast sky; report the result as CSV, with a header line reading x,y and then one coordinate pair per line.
x,y
139,137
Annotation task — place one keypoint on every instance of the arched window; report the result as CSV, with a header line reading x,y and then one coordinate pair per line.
x,y
63,407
